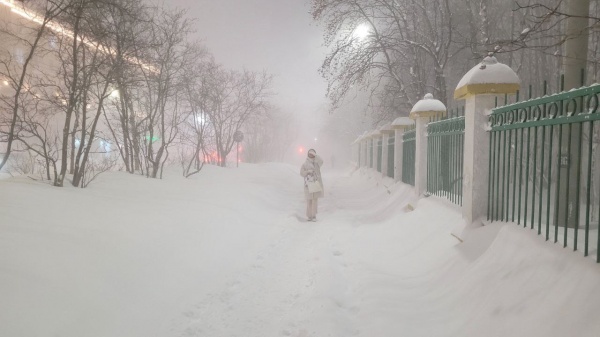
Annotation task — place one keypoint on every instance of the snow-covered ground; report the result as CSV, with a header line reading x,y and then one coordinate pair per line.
x,y
227,253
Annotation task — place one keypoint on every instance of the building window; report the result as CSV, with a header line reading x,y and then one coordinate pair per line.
x,y
20,56
53,42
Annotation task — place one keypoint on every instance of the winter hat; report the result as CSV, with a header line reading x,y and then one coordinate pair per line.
x,y
312,153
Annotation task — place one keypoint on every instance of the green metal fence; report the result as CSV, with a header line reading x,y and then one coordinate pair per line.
x,y
445,143
390,155
408,156
379,154
544,167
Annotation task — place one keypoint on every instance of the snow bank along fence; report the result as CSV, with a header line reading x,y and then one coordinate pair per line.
x,y
535,162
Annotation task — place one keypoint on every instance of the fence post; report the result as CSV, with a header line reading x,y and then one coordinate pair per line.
x,y
422,112
369,142
359,142
399,125
379,155
361,150
384,152
479,88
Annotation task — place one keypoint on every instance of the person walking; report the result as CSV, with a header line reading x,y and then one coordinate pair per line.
x,y
311,171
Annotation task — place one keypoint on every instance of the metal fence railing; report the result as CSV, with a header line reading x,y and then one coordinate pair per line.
x,y
445,143
544,167
409,143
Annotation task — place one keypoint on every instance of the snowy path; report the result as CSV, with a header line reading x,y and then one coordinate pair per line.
x,y
315,279
277,295
224,254
296,286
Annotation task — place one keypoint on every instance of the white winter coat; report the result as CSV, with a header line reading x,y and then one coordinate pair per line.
x,y
312,165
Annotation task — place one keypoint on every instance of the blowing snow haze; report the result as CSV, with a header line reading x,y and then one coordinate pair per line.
x,y
273,35
151,182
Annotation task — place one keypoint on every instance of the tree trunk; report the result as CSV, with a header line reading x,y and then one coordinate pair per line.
x,y
86,145
72,100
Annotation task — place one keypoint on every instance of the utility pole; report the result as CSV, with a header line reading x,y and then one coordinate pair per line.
x,y
574,65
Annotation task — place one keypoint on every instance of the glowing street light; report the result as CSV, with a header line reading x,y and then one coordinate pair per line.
x,y
361,32
201,119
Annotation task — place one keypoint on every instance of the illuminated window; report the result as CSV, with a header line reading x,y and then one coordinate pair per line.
x,y
53,42
20,56
105,147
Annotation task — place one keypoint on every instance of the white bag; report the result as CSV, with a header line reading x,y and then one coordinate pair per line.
x,y
313,186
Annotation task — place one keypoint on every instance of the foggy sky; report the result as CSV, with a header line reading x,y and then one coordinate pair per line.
x,y
273,35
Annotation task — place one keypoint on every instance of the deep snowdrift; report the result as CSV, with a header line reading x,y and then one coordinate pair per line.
x,y
227,253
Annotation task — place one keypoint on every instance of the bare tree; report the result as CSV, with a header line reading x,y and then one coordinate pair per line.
x,y
99,76
196,129
163,97
25,38
396,50
86,77
129,23
231,99
37,133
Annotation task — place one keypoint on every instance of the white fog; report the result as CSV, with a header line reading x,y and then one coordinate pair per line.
x,y
302,168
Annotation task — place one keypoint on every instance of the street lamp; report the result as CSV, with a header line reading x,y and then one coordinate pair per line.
x,y
201,119
361,32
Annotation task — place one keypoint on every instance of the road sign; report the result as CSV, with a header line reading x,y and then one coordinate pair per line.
x,y
238,136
